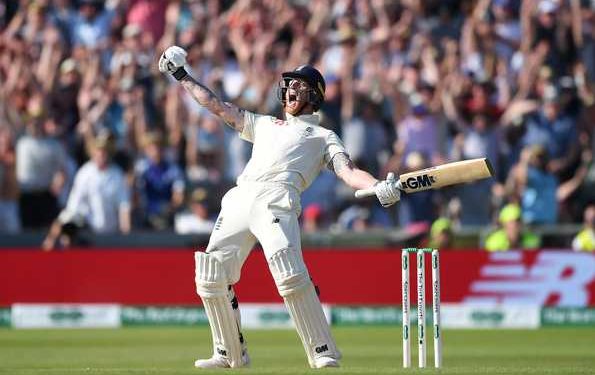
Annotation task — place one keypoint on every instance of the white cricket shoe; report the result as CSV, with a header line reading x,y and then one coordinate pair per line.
x,y
218,361
322,362
213,362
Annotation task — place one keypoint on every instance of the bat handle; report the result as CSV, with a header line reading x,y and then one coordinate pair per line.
x,y
363,193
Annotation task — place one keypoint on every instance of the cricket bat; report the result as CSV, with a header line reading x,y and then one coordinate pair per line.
x,y
440,176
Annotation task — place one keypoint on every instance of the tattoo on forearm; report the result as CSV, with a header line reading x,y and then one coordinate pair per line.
x,y
340,162
234,116
200,92
231,114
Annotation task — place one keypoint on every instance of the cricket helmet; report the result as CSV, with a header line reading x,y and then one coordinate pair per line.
x,y
312,77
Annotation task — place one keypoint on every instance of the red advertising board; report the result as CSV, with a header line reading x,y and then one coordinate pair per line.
x,y
369,277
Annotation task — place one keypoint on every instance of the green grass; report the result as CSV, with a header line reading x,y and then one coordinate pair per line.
x,y
366,350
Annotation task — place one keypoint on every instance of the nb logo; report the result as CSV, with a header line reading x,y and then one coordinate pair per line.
x,y
222,352
218,223
419,182
321,349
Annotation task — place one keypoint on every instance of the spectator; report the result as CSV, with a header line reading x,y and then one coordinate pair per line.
x,y
90,26
456,79
205,151
552,32
587,14
355,218
10,221
419,207
512,235
323,195
40,170
441,236
479,139
312,218
535,186
63,99
149,16
579,191
331,108
365,137
585,239
507,28
61,13
420,132
554,131
197,219
159,184
100,196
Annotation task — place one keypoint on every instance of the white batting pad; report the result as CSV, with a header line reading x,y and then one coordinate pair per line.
x,y
289,271
294,285
211,285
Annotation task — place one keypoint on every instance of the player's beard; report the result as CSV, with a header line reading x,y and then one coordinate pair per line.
x,y
294,103
294,107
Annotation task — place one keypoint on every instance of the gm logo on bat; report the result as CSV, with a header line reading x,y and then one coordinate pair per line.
x,y
418,182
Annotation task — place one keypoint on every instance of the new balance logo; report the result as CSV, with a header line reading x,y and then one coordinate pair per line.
x,y
222,352
218,223
321,349
557,278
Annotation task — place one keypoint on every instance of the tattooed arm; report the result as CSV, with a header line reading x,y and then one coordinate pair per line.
x,y
231,114
354,177
387,191
172,61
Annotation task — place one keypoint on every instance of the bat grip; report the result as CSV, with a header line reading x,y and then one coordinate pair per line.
x,y
363,193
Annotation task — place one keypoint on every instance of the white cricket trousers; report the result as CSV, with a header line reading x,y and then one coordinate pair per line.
x,y
265,211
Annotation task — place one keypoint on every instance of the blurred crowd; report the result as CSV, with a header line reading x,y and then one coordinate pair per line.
x,y
92,135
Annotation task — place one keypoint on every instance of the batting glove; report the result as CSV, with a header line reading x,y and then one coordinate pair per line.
x,y
172,61
387,191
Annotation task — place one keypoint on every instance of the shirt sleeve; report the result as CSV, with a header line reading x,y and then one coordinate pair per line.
x,y
76,205
334,146
248,132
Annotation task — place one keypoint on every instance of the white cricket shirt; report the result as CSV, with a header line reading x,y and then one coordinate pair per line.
x,y
291,152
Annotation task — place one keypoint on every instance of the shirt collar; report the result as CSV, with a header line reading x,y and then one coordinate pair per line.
x,y
310,118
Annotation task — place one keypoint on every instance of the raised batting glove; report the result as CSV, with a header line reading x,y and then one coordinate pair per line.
x,y
172,61
387,191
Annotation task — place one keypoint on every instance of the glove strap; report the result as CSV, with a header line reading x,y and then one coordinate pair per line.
x,y
180,73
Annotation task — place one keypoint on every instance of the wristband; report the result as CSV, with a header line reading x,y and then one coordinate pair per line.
x,y
180,73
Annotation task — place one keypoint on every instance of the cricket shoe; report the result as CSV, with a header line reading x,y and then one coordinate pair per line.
x,y
322,362
218,361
